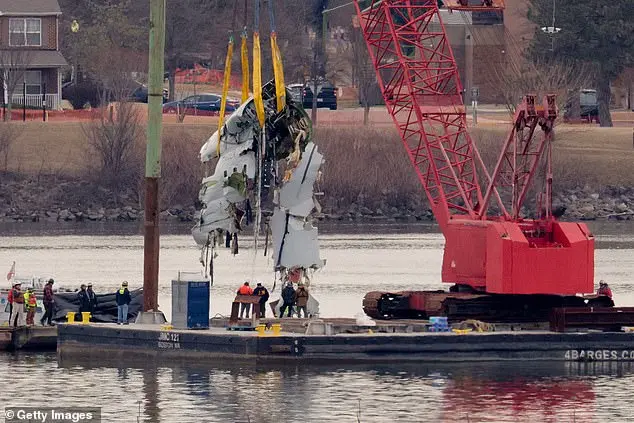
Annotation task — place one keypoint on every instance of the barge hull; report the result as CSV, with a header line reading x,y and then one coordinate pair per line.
x,y
218,344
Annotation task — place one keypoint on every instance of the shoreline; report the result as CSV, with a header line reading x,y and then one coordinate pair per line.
x,y
63,200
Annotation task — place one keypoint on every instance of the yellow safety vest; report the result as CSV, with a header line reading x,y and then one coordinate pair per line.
x,y
122,291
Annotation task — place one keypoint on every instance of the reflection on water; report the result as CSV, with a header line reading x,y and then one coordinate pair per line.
x,y
393,258
183,392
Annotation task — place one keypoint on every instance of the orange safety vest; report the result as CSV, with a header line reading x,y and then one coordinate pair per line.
x,y
32,301
245,290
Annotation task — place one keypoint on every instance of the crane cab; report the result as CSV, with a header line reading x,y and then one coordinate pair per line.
x,y
474,5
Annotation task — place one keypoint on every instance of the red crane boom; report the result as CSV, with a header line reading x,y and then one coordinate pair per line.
x,y
489,246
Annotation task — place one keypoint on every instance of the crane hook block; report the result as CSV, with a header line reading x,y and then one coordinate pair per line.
x,y
474,5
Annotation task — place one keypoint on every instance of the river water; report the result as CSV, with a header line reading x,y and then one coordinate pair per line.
x,y
358,260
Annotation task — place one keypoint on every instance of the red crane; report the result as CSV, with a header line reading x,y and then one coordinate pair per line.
x,y
494,257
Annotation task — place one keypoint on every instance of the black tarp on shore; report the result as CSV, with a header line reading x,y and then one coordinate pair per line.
x,y
106,311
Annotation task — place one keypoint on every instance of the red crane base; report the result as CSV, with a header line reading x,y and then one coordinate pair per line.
x,y
459,306
526,257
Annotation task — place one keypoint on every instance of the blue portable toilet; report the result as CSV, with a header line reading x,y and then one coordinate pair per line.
x,y
190,301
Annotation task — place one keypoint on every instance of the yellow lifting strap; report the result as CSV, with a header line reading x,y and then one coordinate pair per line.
x,y
225,92
244,56
257,79
278,71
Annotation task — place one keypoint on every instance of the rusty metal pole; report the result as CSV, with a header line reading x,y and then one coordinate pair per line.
x,y
153,155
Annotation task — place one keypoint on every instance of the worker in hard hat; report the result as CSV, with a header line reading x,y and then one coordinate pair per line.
x,y
123,299
30,303
17,317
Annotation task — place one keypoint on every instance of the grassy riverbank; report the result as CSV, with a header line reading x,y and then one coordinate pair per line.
x,y
366,167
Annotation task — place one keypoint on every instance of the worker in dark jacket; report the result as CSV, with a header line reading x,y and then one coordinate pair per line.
x,y
288,298
49,303
92,299
263,293
82,297
123,298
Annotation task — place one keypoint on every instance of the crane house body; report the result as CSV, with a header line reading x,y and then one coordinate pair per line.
x,y
30,59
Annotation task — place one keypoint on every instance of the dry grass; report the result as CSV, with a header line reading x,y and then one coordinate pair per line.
x,y
58,147
371,162
367,166
181,170
364,165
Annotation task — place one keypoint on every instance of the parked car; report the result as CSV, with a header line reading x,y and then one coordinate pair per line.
x,y
200,104
326,94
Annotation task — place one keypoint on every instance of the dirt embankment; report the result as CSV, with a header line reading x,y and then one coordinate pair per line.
x,y
50,174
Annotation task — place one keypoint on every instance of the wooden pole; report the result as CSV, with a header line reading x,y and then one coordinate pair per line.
x,y
153,155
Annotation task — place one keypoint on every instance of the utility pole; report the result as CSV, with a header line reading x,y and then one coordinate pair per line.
x,y
153,164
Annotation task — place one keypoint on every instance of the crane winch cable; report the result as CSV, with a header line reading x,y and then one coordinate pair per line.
x,y
257,67
259,109
278,69
244,57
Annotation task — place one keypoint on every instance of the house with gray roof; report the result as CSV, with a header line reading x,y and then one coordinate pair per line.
x,y
30,60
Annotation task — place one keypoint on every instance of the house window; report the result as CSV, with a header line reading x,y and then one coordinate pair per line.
x,y
25,32
33,81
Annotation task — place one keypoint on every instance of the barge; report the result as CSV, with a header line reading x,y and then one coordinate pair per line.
x,y
38,338
392,342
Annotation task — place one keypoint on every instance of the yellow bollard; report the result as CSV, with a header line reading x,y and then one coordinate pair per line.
x,y
261,329
85,317
70,317
276,328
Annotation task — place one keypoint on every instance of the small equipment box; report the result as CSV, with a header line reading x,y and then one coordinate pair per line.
x,y
190,301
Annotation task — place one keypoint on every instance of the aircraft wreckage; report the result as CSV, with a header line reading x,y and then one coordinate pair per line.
x,y
263,177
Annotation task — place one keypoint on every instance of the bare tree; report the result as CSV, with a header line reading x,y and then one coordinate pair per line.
x,y
114,140
13,65
562,78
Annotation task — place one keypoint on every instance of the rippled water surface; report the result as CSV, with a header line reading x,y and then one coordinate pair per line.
x,y
389,258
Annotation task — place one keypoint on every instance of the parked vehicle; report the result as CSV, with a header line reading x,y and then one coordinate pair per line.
x,y
297,92
140,94
200,104
589,106
303,93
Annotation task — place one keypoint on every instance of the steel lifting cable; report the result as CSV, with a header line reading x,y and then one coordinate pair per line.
x,y
257,67
227,79
278,69
244,57
259,108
